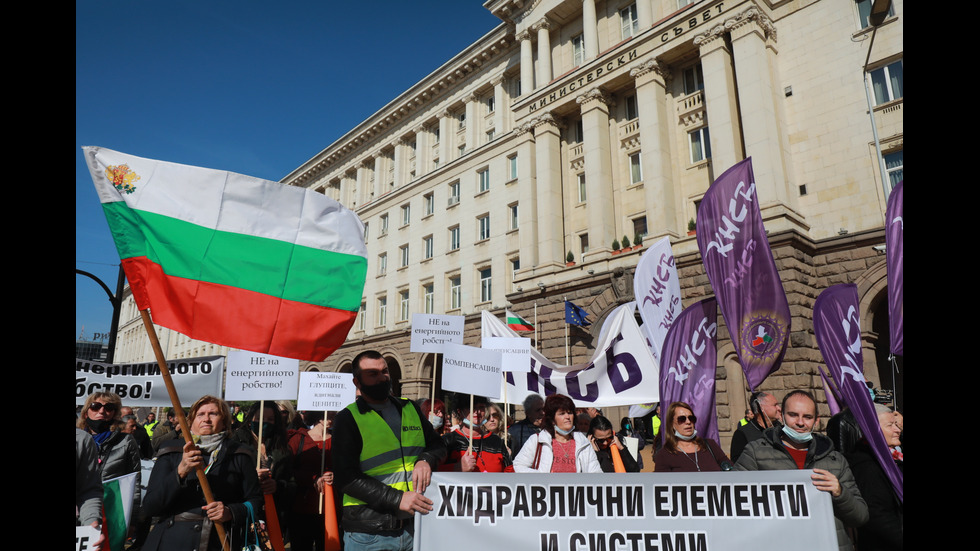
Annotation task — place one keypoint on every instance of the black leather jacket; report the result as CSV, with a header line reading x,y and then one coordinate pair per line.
x,y
381,512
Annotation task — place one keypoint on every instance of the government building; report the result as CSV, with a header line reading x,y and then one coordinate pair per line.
x,y
537,164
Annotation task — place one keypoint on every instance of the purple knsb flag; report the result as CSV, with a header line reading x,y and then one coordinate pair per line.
x,y
838,331
688,364
894,237
742,272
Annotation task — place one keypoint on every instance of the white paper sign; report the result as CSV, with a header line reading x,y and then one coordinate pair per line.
x,y
471,370
515,352
430,333
86,538
254,376
326,391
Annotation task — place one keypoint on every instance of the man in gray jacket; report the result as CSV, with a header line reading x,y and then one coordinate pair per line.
x,y
794,446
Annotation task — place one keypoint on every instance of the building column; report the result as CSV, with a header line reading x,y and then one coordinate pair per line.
x,y
544,51
422,151
644,16
499,95
379,176
590,30
528,197
445,137
720,100
401,163
472,140
662,200
598,171
527,63
760,105
547,157
364,186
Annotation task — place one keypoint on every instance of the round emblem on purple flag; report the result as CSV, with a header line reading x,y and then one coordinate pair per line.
x,y
762,335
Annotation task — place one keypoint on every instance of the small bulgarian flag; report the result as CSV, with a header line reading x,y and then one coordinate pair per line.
x,y
234,260
518,323
117,498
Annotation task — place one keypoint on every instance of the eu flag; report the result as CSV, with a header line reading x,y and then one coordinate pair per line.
x,y
575,315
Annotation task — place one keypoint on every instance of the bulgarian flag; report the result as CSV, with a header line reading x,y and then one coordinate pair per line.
x,y
518,323
234,260
117,498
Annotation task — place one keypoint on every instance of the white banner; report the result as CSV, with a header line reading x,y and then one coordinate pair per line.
x,y
329,391
141,384
86,538
622,370
430,333
471,370
255,376
515,352
722,511
658,293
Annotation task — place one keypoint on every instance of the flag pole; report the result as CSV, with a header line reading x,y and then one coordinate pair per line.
x,y
535,324
432,401
181,418
271,515
565,299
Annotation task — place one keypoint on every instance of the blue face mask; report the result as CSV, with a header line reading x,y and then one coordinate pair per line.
x,y
564,432
798,437
686,438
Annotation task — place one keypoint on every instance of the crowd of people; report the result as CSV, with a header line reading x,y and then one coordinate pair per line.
x,y
377,457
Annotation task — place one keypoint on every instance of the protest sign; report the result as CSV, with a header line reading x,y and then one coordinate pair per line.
x,y
515,352
141,384
583,512
471,370
86,538
255,376
326,391
430,332
622,370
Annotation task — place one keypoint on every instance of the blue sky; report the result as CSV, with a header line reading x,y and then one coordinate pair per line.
x,y
245,86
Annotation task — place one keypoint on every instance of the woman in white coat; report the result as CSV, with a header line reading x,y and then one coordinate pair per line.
x,y
558,448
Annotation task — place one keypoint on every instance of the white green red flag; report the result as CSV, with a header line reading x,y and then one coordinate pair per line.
x,y
231,259
518,323
117,499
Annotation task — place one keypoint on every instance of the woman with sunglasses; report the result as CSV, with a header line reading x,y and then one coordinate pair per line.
x,y
119,454
684,451
488,454
602,438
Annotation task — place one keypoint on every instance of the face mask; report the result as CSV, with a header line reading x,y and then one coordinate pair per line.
x,y
798,437
627,426
377,392
98,425
686,438
564,432
436,421
469,423
266,428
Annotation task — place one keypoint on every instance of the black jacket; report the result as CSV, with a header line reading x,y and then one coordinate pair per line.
x,y
381,511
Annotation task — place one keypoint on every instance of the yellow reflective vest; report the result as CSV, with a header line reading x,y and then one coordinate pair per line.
x,y
384,457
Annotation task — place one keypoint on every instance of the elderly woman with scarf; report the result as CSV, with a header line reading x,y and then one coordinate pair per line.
x,y
175,495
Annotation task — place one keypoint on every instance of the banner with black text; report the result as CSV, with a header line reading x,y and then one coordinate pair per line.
x,y
141,384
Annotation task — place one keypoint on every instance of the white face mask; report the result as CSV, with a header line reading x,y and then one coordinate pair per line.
x,y
686,438
436,421
798,437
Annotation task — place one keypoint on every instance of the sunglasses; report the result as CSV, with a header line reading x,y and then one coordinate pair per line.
x,y
681,419
603,440
109,408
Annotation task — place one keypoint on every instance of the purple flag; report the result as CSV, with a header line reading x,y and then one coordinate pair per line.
x,y
838,331
894,252
830,392
688,364
742,272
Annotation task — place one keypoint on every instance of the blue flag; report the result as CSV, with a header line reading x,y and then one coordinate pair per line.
x,y
575,315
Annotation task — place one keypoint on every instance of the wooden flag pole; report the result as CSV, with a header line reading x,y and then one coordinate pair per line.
x,y
328,506
181,418
471,424
432,401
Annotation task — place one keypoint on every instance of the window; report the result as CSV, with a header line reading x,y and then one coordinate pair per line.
x,y
581,187
406,214
640,227
515,266
366,232
484,178
682,3
583,242
490,135
512,166
382,311
382,264
864,11
578,50
404,308
384,225
430,203
455,293
435,134
428,298
362,317
629,21
894,167
693,79
484,227
578,132
700,145
631,111
514,221
461,151
490,104
454,238
485,285
403,253
886,82
427,246
636,171
453,193
462,120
